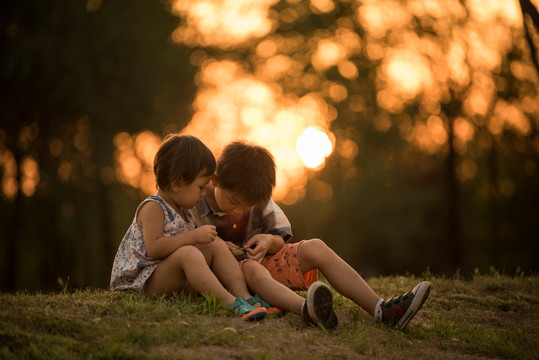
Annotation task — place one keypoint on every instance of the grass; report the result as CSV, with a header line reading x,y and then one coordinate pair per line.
x,y
489,316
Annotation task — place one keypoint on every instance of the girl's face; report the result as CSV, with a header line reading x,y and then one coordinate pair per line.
x,y
188,195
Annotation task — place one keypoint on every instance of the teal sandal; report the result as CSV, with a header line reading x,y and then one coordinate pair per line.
x,y
272,310
248,312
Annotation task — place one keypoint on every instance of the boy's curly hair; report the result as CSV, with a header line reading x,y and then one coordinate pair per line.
x,y
182,157
247,170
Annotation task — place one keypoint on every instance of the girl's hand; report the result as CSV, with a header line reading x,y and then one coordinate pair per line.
x,y
205,234
257,247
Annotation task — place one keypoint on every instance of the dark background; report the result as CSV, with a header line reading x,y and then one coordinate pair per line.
x,y
71,79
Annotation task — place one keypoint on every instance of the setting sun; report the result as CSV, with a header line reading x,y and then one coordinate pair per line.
x,y
313,147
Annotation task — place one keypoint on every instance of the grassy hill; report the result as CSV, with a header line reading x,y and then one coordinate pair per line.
x,y
489,316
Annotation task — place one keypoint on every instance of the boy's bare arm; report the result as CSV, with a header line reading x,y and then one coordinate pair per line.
x,y
261,244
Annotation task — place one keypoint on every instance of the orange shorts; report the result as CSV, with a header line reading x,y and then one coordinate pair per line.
x,y
284,267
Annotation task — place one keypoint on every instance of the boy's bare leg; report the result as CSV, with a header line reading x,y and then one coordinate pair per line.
x,y
186,269
315,253
225,267
260,281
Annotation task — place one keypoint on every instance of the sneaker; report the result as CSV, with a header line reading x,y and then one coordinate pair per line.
x,y
272,310
248,312
318,306
400,310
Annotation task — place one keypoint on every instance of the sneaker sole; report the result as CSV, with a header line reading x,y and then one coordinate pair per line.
x,y
320,305
420,296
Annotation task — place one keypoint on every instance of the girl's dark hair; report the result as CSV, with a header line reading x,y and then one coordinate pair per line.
x,y
247,170
182,157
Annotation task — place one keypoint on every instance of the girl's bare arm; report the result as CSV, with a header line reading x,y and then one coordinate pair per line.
x,y
152,219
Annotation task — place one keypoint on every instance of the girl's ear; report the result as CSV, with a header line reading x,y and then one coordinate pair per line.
x,y
213,181
175,186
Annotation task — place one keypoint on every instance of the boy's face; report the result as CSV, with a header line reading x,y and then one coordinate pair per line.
x,y
229,202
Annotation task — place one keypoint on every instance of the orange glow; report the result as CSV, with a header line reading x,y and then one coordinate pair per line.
x,y
277,66
146,146
64,171
377,17
429,136
134,160
327,54
418,66
337,92
507,116
332,51
232,104
323,6
313,147
464,132
493,11
407,72
29,176
28,134
10,186
222,23
458,69
320,191
284,102
348,149
348,70
56,147
466,170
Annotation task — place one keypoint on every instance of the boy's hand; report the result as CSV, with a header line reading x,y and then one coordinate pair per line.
x,y
257,247
205,234
231,245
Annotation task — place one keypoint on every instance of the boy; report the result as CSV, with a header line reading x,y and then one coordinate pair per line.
x,y
238,202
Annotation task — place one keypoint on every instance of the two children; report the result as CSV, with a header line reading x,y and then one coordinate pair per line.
x,y
238,203
164,252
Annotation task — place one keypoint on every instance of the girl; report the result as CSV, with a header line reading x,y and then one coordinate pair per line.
x,y
164,252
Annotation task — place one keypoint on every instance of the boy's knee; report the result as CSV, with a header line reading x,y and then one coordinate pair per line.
x,y
313,250
314,244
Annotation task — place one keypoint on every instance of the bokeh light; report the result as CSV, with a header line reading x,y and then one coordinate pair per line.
x,y
279,95
313,147
232,104
223,23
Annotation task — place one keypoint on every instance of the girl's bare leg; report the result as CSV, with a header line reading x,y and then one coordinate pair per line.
x,y
260,281
225,267
186,269
344,279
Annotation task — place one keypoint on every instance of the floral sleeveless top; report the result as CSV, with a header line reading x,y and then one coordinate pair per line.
x,y
132,265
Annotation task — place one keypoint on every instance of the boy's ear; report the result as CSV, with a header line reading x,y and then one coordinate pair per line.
x,y
213,181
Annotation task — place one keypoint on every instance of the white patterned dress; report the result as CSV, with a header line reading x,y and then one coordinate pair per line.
x,y
132,265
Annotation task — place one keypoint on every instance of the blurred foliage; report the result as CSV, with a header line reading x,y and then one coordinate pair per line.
x,y
71,79
390,199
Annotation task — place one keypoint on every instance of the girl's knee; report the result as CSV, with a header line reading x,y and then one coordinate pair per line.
x,y
253,270
216,246
185,253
